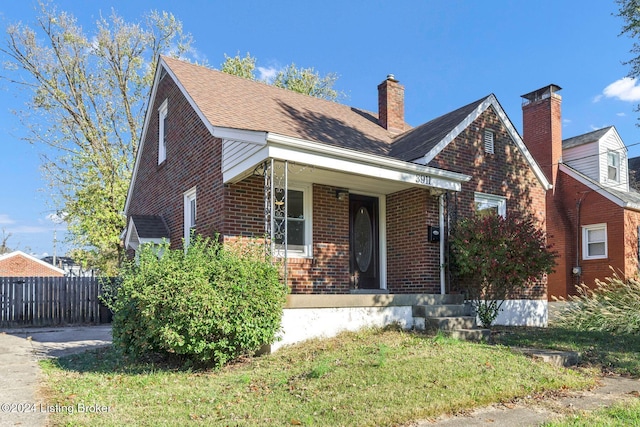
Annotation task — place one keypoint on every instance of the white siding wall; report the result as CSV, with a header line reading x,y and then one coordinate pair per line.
x,y
611,141
591,160
584,159
234,152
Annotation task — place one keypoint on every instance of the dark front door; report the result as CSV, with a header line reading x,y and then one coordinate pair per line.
x,y
363,251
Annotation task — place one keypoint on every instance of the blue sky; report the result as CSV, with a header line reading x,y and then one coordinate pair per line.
x,y
446,53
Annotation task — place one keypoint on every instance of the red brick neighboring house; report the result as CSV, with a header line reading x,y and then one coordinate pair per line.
x,y
19,264
357,203
593,215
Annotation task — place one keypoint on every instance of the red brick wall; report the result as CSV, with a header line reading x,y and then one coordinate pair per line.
x,y
21,266
504,173
328,271
597,209
542,132
391,105
413,263
631,224
193,157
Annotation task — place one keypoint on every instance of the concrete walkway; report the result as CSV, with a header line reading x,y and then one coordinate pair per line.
x,y
20,350
533,412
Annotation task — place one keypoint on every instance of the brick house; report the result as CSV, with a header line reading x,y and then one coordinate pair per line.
x,y
19,264
593,215
357,204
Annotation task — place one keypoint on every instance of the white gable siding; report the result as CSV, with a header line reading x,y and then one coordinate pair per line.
x,y
591,160
235,152
584,159
611,142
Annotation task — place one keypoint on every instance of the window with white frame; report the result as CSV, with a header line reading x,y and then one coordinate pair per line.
x,y
162,132
594,241
190,211
488,142
298,223
613,166
490,204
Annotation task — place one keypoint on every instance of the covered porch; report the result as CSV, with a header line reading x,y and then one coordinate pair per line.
x,y
343,221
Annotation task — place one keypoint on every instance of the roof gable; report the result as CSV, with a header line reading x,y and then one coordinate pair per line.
x,y
420,140
440,132
30,259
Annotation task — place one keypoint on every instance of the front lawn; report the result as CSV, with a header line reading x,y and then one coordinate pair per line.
x,y
372,377
609,352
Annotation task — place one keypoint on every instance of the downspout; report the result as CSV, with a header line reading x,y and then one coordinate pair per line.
x,y
443,289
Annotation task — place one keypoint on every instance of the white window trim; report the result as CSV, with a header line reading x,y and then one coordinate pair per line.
x,y
488,138
162,146
307,204
585,242
189,195
499,202
618,168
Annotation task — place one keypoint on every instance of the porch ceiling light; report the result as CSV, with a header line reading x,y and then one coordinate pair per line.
x,y
342,194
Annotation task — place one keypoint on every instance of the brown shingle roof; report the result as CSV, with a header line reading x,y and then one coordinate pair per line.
x,y
235,102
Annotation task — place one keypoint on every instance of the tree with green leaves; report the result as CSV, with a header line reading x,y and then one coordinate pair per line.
x,y
307,81
495,257
87,97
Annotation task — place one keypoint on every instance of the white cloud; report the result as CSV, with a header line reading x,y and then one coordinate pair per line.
x,y
597,98
267,74
624,89
57,217
566,121
621,114
5,219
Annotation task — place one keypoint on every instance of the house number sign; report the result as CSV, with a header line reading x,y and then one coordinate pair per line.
x,y
424,180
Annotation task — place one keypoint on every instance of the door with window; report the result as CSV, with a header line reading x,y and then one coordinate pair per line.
x,y
363,242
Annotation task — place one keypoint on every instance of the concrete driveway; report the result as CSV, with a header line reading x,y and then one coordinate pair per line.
x,y
20,350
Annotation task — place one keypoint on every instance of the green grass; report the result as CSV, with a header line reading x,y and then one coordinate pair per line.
x,y
372,377
621,414
609,352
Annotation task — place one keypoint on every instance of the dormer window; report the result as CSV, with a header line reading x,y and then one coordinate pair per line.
x,y
162,132
613,166
488,142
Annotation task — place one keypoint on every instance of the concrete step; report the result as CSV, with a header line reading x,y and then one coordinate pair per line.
x,y
451,323
441,310
471,334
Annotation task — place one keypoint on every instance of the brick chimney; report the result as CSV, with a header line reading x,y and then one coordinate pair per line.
x,y
542,128
391,105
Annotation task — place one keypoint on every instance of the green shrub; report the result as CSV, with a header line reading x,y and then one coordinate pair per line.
x,y
613,306
208,304
495,257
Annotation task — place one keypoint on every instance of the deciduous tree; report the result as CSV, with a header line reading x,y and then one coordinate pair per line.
x,y
302,80
87,95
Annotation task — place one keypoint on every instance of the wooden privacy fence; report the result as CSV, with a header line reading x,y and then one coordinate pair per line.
x,y
48,301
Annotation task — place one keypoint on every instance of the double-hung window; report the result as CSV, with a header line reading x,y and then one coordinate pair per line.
x,y
490,204
162,132
298,223
189,215
613,166
594,241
